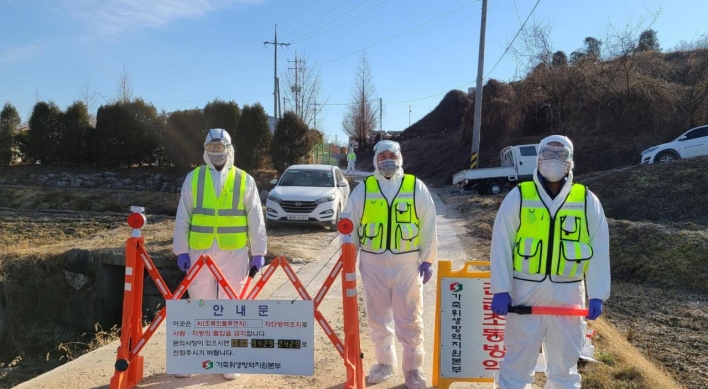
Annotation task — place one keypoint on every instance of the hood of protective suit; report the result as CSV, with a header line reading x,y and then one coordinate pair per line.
x,y
220,134
565,141
387,145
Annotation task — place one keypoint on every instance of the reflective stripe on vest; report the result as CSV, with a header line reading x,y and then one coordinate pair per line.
x,y
393,228
223,218
566,235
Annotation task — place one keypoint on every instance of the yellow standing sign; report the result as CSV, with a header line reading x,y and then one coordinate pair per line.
x,y
469,338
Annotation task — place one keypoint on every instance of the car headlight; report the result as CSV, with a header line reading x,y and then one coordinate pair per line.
x,y
326,199
273,197
649,150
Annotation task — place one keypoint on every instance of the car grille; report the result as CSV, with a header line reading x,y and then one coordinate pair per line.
x,y
298,206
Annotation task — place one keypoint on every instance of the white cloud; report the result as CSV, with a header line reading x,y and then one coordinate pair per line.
x,y
19,54
111,17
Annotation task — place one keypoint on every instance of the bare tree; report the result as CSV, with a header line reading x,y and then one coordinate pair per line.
x,y
90,99
361,119
303,86
533,47
124,91
548,78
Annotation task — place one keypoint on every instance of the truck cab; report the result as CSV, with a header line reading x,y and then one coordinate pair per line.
x,y
517,165
523,158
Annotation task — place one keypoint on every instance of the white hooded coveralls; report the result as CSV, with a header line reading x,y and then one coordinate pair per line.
x,y
234,264
350,163
393,287
564,336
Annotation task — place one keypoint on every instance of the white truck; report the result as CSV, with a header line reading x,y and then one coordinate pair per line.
x,y
517,165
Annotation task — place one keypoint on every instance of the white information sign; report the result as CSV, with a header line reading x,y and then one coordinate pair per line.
x,y
240,336
471,336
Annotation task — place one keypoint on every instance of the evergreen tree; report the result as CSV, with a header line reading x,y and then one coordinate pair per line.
x,y
44,132
254,138
75,129
184,140
9,123
648,41
222,114
290,142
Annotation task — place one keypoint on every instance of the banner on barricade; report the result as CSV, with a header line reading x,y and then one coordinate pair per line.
x,y
240,336
469,337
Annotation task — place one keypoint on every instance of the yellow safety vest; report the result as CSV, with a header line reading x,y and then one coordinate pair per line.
x,y
566,235
351,156
393,228
223,217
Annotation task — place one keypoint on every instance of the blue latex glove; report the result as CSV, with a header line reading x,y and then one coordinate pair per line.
x,y
594,309
501,303
183,262
425,271
257,262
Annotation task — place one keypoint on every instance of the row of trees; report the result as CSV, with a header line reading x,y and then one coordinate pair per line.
x,y
133,132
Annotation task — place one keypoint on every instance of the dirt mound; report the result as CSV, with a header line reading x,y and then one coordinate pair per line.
x,y
433,157
447,116
658,193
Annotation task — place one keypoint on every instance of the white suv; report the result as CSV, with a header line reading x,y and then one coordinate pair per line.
x,y
308,194
691,143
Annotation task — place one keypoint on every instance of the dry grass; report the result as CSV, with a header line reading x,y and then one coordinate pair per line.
x,y
622,367
659,193
658,255
95,200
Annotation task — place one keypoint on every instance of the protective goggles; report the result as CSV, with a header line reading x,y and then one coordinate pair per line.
x,y
215,147
387,145
560,153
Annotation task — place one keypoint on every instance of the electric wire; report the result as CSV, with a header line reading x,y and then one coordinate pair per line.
x,y
512,41
305,37
399,34
488,73
299,12
300,28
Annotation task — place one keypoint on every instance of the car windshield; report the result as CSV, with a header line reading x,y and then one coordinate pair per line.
x,y
307,178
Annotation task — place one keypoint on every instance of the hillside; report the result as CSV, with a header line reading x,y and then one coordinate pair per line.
x,y
658,193
612,110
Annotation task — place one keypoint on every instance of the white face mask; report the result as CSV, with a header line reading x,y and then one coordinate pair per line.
x,y
218,159
553,170
388,168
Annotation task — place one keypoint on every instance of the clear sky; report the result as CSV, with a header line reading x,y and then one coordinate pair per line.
x,y
181,54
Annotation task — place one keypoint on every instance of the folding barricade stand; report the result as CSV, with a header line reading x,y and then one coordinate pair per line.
x,y
129,363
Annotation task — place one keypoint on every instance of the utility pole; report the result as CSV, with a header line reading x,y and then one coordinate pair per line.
x,y
409,115
296,89
315,115
275,72
474,157
380,118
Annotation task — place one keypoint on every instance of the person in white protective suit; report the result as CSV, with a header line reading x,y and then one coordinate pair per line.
x,y
394,221
549,236
351,160
219,213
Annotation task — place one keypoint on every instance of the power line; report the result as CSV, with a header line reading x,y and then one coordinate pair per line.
x,y
490,71
298,29
399,34
512,41
299,12
305,37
